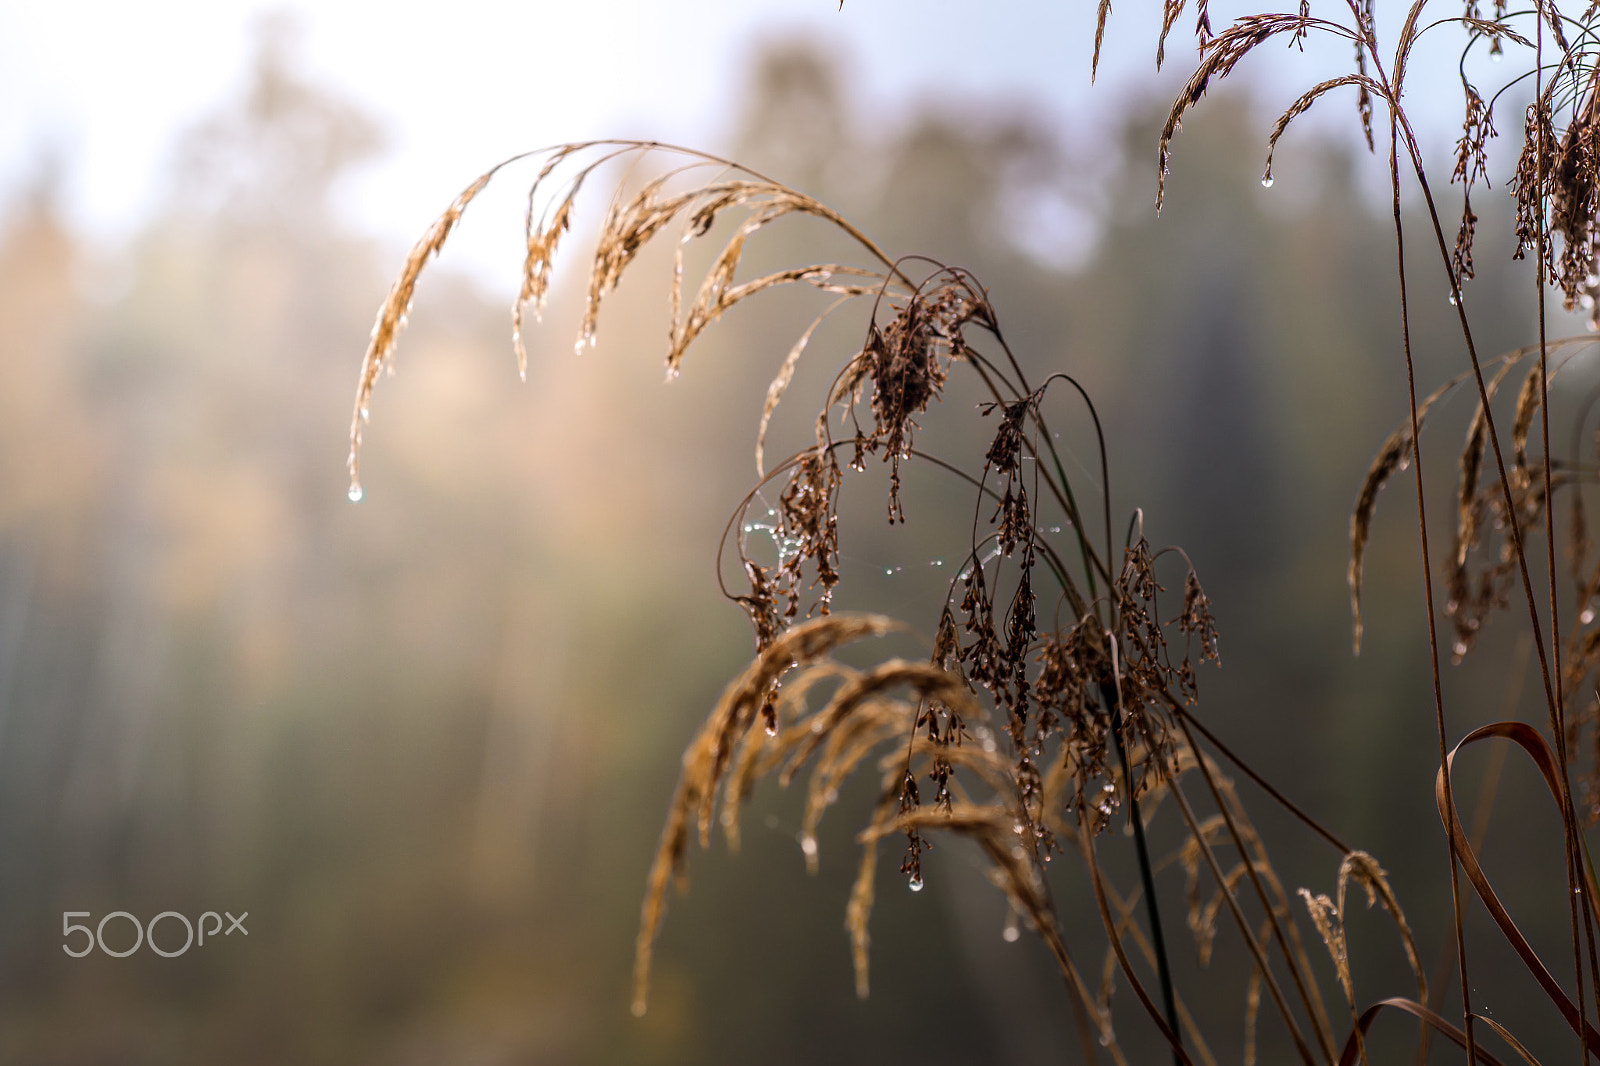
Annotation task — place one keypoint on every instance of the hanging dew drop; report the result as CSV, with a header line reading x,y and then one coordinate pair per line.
x,y
1587,616
915,884
355,492
1011,933
1266,182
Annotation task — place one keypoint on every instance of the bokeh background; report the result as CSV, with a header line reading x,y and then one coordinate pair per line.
x,y
427,741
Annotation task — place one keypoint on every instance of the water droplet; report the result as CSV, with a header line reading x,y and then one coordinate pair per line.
x,y
1011,933
808,844
1587,616
355,492
522,373
1458,649
1266,182
1452,298
638,1008
1496,56
366,413
915,884
772,729
935,562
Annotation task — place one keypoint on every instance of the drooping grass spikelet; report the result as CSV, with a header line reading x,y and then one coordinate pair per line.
x,y
706,759
1219,55
1394,456
392,317
1366,85
536,275
780,382
1364,870
1101,15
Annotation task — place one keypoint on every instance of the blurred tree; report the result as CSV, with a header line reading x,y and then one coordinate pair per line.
x,y
271,157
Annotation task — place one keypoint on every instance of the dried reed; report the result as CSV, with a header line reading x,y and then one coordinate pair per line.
x,y
1032,736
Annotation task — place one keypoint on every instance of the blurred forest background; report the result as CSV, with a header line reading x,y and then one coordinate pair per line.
x,y
427,741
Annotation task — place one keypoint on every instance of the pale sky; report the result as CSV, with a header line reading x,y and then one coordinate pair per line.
x,y
458,86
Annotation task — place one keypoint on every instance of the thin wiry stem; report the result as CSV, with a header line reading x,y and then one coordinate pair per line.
x,y
1303,983
1257,952
1142,850
1085,837
1558,723
1552,703
1182,712
1480,822
1427,562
